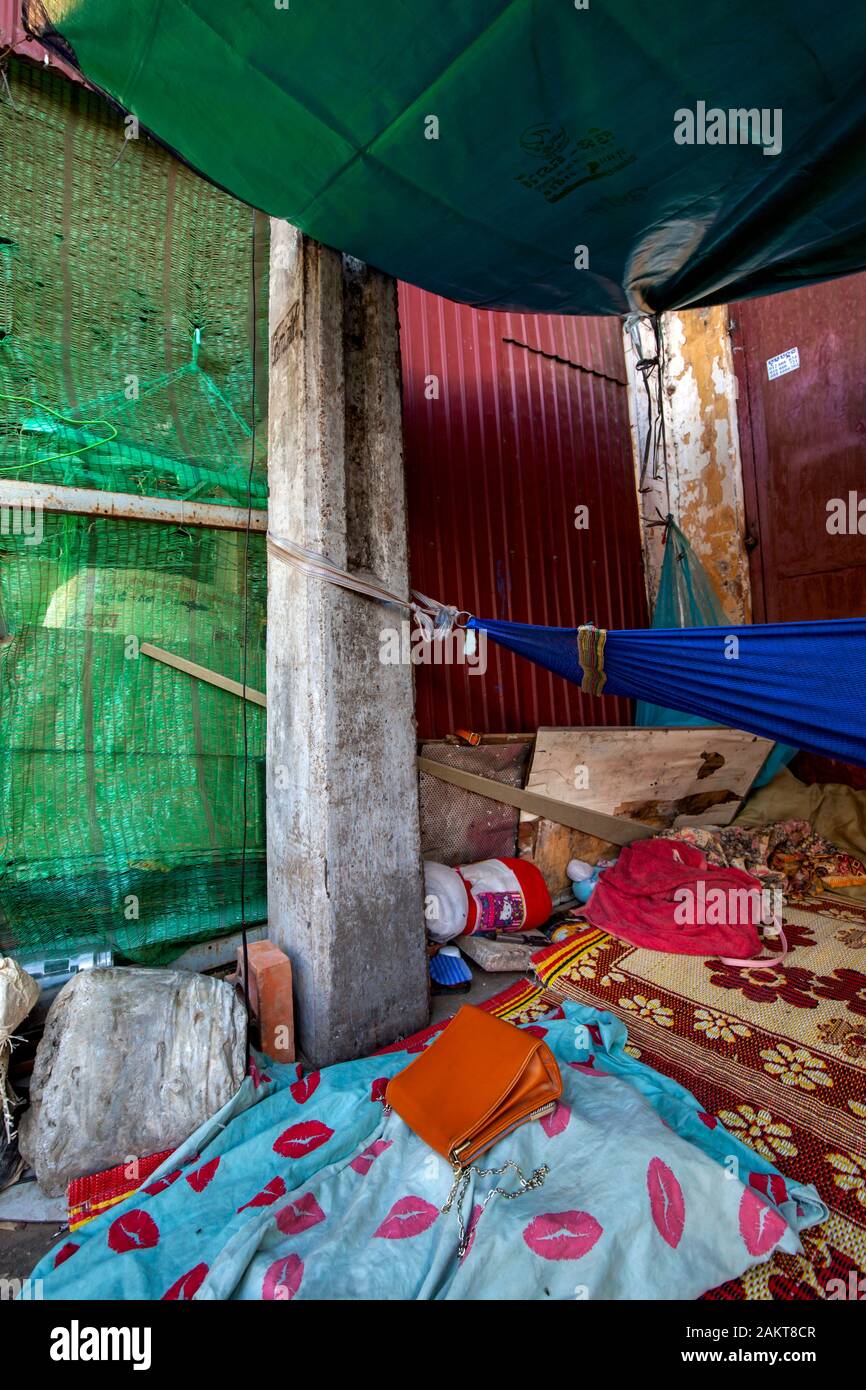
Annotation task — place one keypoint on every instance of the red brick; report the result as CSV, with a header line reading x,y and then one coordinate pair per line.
x,y
271,997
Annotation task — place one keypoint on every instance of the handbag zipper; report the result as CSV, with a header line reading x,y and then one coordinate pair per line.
x,y
545,1109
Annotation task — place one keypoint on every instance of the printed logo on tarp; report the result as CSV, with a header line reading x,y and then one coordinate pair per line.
x,y
77,1343
736,126
567,162
22,520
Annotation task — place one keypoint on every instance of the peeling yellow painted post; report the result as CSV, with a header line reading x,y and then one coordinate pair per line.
x,y
704,474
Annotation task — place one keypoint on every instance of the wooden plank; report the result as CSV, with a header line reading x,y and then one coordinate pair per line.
x,y
550,846
83,501
657,777
620,830
202,673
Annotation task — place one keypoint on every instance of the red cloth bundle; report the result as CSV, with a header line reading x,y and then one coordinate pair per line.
x,y
663,894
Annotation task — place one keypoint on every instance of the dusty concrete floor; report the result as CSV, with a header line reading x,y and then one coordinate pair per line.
x,y
483,986
22,1246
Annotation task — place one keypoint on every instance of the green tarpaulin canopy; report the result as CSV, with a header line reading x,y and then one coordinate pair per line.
x,y
470,146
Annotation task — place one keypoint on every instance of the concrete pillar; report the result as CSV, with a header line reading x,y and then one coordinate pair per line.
x,y
345,894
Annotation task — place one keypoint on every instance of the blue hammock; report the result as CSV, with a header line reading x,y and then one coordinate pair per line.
x,y
801,683
686,598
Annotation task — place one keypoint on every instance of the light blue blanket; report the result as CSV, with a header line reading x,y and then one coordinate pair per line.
x,y
306,1187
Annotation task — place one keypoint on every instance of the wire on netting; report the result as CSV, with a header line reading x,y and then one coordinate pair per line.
x,y
67,420
245,652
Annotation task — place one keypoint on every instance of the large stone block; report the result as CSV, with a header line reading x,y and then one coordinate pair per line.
x,y
131,1062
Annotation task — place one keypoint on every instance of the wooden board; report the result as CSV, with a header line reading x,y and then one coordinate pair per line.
x,y
661,777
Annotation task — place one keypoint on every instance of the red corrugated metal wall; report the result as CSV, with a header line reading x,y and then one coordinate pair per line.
x,y
11,24
14,37
531,421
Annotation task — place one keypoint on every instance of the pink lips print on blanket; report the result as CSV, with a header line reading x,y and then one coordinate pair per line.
x,y
300,1215
471,1227
283,1278
760,1226
301,1139
364,1161
183,1289
305,1086
258,1077
562,1235
411,1216
772,1185
270,1193
135,1230
556,1121
588,1069
199,1180
162,1183
666,1202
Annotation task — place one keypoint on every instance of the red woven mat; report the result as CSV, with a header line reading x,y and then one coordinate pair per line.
x,y
87,1197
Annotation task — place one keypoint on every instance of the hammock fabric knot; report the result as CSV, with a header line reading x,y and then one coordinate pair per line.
x,y
590,654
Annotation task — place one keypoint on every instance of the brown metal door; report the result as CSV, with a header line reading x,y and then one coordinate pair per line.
x,y
803,441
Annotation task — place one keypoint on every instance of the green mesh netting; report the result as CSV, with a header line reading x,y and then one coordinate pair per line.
x,y
127,325
686,598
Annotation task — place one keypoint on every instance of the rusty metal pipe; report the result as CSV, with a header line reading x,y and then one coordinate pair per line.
x,y
51,497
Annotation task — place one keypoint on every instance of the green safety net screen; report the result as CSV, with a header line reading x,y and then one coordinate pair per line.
x,y
133,329
686,598
525,154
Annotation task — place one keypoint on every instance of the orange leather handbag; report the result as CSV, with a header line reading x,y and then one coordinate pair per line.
x,y
479,1080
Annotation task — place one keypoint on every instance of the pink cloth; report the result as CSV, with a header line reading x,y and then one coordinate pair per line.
x,y
638,900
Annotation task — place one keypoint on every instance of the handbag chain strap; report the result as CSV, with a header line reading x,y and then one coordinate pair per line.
x,y
460,1186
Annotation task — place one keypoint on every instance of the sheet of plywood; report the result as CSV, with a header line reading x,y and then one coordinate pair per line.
x,y
662,777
